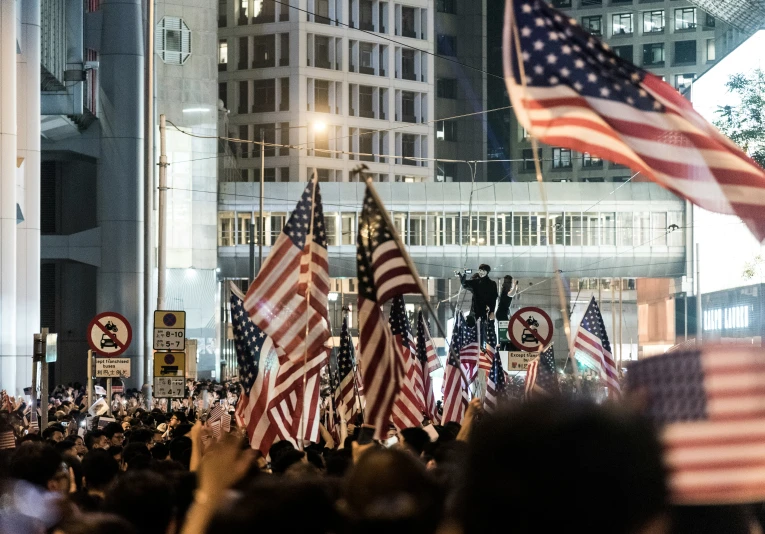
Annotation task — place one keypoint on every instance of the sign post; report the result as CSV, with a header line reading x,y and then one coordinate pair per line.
x,y
530,329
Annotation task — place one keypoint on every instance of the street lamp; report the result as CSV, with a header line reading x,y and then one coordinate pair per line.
x,y
317,126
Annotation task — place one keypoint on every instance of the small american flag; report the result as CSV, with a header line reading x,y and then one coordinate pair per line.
x,y
571,90
541,377
256,360
425,352
278,299
486,360
711,408
346,396
215,413
469,349
409,404
455,382
593,349
383,273
7,440
495,384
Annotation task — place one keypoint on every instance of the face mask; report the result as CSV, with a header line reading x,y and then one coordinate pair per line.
x,y
482,273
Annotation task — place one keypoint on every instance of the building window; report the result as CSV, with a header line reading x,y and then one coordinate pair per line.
x,y
621,24
407,22
226,228
446,6
321,96
244,97
284,50
685,19
322,11
265,96
711,50
366,102
447,45
685,52
561,158
624,52
684,81
244,14
653,54
590,161
709,21
264,55
222,55
284,103
348,229
366,145
366,8
446,88
244,53
446,171
407,107
593,24
173,40
528,158
407,149
222,19
330,228
407,64
266,132
561,4
653,21
366,55
322,57
321,144
447,130
284,131
223,94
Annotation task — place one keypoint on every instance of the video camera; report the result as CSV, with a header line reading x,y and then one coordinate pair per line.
x,y
466,272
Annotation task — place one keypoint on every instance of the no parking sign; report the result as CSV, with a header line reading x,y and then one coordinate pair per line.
x,y
530,328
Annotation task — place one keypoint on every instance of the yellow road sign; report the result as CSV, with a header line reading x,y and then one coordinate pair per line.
x,y
169,364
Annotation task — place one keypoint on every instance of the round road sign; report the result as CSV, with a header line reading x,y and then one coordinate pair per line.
x,y
169,319
530,329
109,334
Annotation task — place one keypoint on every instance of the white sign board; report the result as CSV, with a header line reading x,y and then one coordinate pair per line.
x,y
169,330
169,386
112,367
518,361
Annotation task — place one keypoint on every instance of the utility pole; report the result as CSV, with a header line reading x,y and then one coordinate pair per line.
x,y
148,201
251,272
621,321
161,220
261,222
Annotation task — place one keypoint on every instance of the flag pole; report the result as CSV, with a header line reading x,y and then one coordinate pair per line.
x,y
355,372
543,193
309,244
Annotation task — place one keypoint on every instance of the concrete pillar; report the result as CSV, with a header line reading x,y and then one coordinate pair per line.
x,y
120,214
28,232
8,20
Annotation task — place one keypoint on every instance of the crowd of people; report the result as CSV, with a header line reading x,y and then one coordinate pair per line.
x,y
553,465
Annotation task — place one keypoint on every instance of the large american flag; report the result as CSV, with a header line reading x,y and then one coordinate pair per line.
x,y
426,352
409,404
346,396
571,90
469,348
486,359
256,360
495,384
383,273
278,299
711,408
541,377
455,381
593,349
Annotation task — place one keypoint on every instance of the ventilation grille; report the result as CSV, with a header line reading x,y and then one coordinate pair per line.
x,y
173,40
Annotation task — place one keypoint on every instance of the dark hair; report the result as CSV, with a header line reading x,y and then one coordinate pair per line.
x,y
286,460
616,448
48,432
145,499
140,435
92,436
99,469
36,463
415,438
159,451
113,428
63,446
114,450
181,416
136,456
484,267
279,448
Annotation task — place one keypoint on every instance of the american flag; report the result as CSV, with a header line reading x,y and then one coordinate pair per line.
x,y
455,382
409,404
215,413
571,90
469,349
383,273
594,350
495,384
256,358
486,360
541,377
710,405
7,440
278,299
346,396
426,352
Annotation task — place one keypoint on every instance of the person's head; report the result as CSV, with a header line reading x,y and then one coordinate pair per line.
x,y
415,439
389,490
483,270
286,460
96,439
507,283
615,448
143,498
116,452
160,452
114,433
178,418
136,456
79,444
67,448
156,436
100,469
40,464
140,435
54,433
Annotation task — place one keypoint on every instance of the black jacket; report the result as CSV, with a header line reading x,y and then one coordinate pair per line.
x,y
484,294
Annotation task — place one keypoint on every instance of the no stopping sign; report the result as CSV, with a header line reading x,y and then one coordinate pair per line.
x,y
530,328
